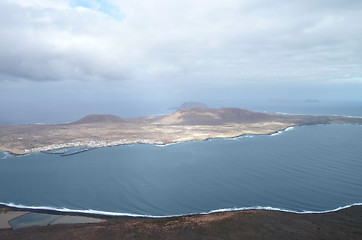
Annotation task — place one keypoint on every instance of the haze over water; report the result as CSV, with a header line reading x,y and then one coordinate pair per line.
x,y
61,114
310,168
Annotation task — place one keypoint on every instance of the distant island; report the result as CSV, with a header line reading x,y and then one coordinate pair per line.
x,y
190,105
191,122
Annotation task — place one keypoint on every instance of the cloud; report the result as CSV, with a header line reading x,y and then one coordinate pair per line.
x,y
58,43
169,41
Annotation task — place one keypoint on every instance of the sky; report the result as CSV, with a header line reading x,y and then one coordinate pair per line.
x,y
62,59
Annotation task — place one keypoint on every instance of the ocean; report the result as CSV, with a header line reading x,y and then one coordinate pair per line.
x,y
305,169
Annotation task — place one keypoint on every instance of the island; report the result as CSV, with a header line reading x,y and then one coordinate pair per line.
x,y
186,124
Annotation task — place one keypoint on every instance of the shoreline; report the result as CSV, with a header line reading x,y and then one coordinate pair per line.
x,y
101,144
95,131
46,149
248,224
115,215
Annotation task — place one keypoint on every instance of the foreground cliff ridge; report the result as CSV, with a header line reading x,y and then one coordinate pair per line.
x,y
186,124
249,224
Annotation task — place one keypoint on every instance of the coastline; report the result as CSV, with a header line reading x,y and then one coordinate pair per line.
x,y
95,131
246,224
111,215
102,143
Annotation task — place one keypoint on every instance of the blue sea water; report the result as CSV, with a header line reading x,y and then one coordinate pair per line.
x,y
306,169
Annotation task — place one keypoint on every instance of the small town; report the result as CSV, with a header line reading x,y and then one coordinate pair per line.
x,y
92,144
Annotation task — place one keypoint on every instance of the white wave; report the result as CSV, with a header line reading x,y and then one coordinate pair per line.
x,y
281,131
240,137
276,133
288,129
231,139
68,210
183,142
118,214
167,144
280,209
247,136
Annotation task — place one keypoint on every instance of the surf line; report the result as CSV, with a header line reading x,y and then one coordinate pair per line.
x,y
91,212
